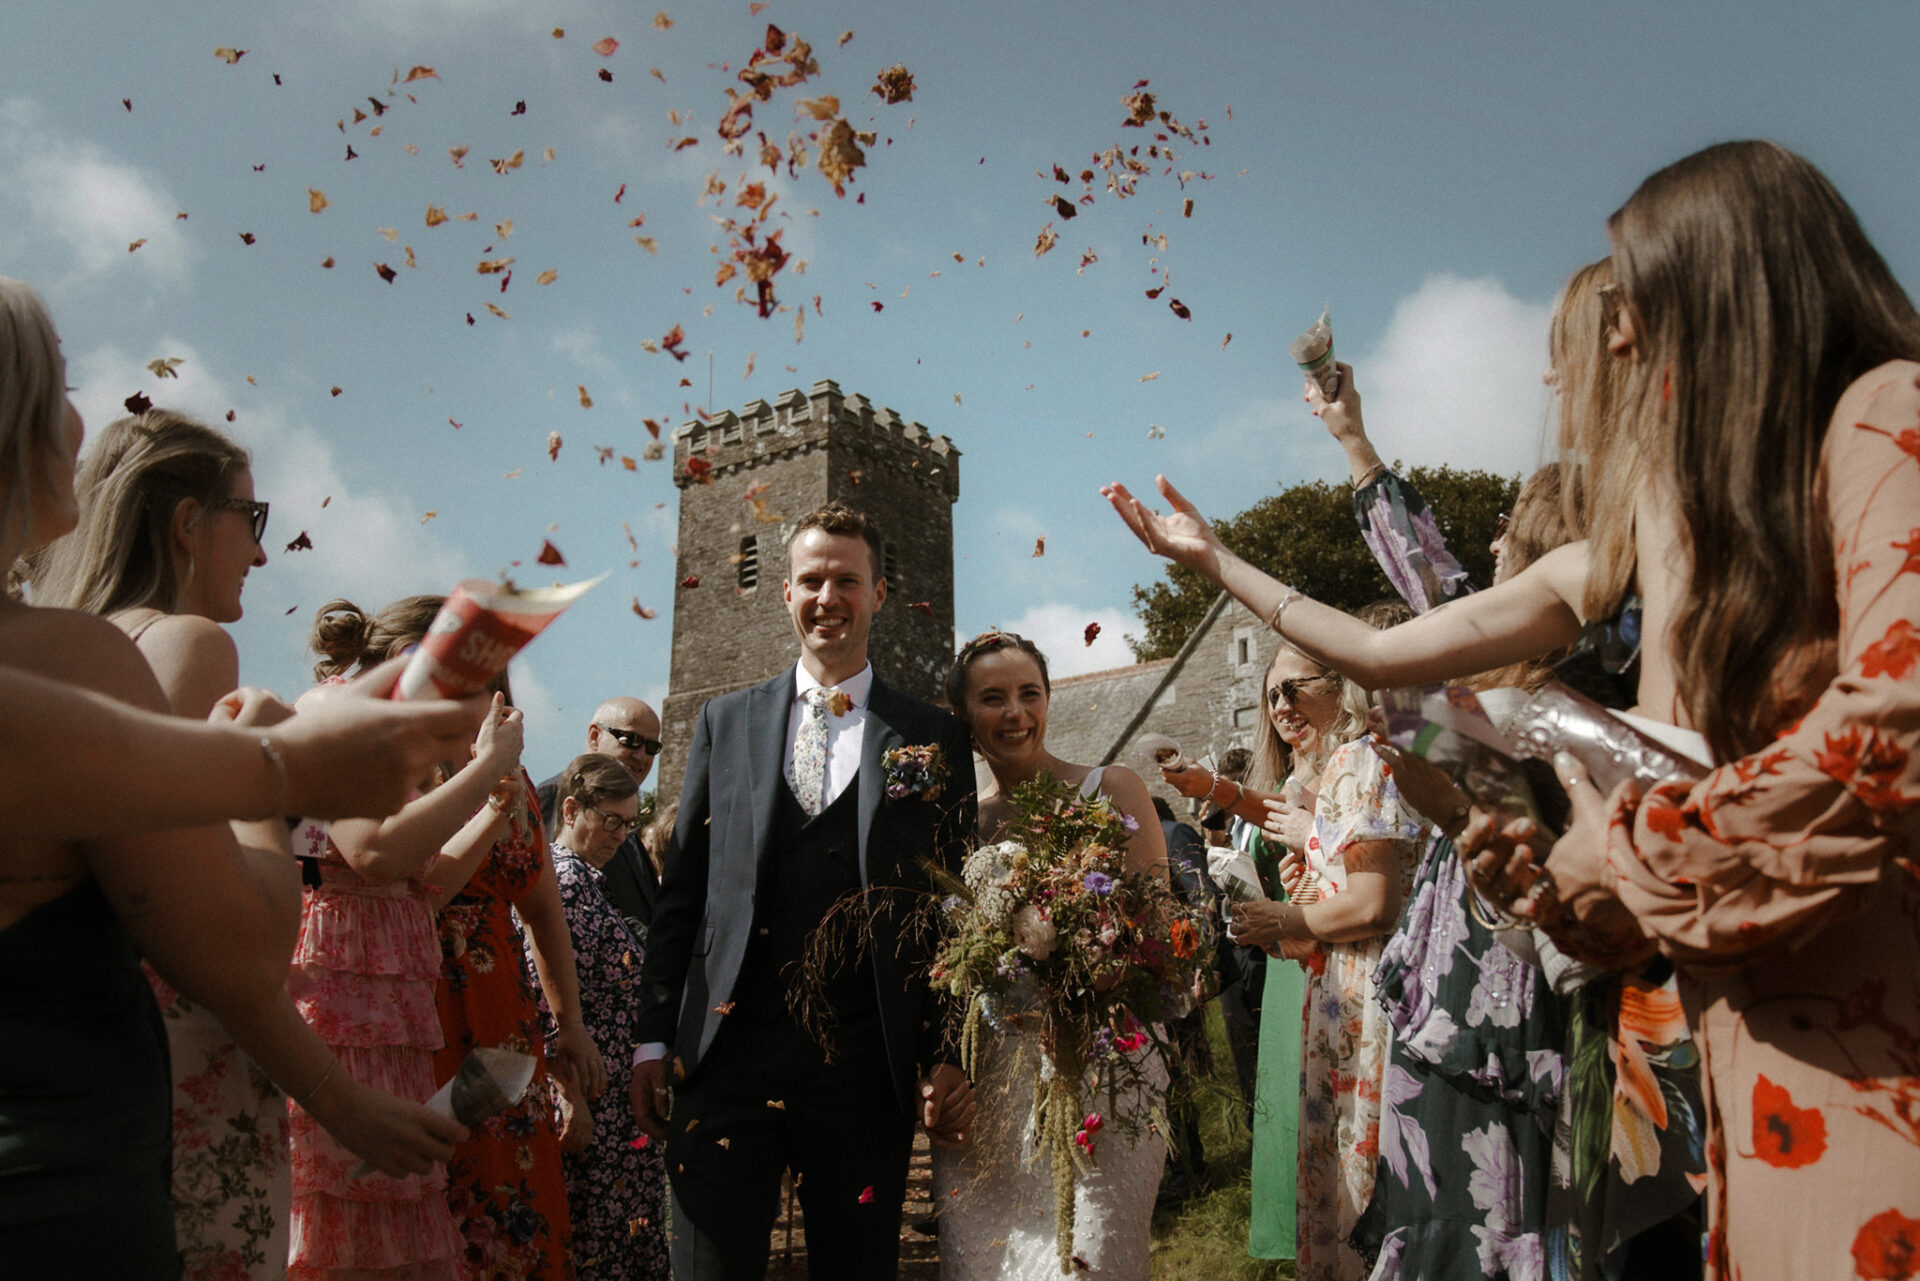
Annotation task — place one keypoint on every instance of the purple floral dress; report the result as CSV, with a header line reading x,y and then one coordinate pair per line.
x,y
616,1187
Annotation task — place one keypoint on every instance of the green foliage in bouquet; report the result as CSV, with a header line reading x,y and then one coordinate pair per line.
x,y
1047,930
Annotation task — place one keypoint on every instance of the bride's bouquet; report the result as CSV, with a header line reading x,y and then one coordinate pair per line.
x,y
1047,931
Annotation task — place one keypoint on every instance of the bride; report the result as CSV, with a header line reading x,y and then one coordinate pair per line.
x,y
995,1196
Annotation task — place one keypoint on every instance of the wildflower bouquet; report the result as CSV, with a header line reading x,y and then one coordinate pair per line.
x,y
1048,931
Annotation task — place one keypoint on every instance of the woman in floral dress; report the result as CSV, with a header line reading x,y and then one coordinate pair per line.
x,y
616,1188
1773,360
364,971
1361,843
505,1184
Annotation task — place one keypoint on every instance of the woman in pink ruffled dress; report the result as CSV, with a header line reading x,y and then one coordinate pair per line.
x,y
365,968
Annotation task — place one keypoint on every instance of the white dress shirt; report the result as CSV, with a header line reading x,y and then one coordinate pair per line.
x,y
845,734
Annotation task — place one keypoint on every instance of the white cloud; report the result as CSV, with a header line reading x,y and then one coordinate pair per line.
x,y
1456,378
59,188
1059,629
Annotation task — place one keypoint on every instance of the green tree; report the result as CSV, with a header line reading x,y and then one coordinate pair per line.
x,y
1305,537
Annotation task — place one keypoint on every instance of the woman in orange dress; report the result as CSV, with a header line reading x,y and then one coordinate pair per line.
x,y
505,1184
1777,364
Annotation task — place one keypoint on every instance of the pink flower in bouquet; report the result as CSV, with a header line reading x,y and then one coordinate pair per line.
x,y
1033,933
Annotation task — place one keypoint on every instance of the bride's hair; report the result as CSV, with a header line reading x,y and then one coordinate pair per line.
x,y
988,642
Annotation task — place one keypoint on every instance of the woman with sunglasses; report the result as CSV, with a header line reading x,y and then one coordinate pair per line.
x,y
1354,847
169,528
615,1188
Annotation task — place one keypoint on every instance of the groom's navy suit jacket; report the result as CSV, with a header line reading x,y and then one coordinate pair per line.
x,y
722,851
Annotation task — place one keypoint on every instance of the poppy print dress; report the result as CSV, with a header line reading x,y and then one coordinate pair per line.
x,y
1785,887
504,1184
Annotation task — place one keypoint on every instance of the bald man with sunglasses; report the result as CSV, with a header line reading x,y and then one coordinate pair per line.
x,y
629,731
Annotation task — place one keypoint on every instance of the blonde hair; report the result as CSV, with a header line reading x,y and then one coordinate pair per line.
x,y
33,402
1604,461
1273,760
121,556
1758,300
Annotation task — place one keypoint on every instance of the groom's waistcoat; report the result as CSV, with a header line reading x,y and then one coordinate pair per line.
x,y
814,867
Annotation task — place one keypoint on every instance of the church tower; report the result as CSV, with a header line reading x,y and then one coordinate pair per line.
x,y
745,479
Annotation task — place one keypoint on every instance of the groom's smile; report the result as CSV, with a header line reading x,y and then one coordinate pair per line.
x,y
832,592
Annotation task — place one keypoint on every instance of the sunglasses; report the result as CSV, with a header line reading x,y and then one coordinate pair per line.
x,y
255,511
1290,688
630,740
618,824
1501,523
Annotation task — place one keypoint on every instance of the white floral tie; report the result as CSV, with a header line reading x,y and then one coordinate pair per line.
x,y
807,770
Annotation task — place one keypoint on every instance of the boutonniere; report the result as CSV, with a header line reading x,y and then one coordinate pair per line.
x,y
916,771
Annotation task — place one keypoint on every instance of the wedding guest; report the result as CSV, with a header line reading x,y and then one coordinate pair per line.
x,y
168,529
1361,843
1774,391
367,961
505,1184
616,1188
1474,1066
84,1174
625,730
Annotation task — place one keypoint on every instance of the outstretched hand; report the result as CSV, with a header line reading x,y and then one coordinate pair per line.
x,y
1183,536
947,1106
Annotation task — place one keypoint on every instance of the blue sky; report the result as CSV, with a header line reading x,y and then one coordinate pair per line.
x,y
1434,172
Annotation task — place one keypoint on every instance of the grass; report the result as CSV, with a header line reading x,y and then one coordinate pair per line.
x,y
1205,1236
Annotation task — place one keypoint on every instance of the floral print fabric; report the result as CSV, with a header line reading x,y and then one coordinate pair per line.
x,y
232,1185
505,1184
616,1189
1785,887
363,976
1400,530
1344,1028
1472,1082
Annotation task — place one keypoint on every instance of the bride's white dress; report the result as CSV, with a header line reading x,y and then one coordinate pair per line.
x,y
994,1198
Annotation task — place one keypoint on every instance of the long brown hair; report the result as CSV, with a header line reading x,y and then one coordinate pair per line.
x,y
33,402
130,485
1758,299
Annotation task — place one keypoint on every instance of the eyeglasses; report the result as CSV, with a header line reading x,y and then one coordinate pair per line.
x,y
618,824
256,512
630,740
1290,688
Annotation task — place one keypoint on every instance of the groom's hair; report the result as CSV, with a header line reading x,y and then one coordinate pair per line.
x,y
838,518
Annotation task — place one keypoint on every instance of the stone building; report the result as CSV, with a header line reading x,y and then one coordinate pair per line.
x,y
1206,698
745,478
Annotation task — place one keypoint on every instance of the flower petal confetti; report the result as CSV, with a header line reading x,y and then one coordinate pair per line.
x,y
549,554
1092,633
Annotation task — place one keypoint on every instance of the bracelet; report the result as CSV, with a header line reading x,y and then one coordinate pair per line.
x,y
301,1102
1501,920
1273,619
279,764
574,1021
1367,477
1457,821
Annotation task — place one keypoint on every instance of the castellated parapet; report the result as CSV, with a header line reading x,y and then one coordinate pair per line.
x,y
732,629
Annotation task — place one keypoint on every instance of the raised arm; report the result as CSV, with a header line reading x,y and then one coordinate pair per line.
x,y
1533,613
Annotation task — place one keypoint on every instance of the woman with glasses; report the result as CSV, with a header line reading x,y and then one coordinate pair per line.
x,y
616,1186
169,528
85,1093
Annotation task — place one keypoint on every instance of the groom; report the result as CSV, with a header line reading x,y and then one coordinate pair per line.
x,y
785,822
